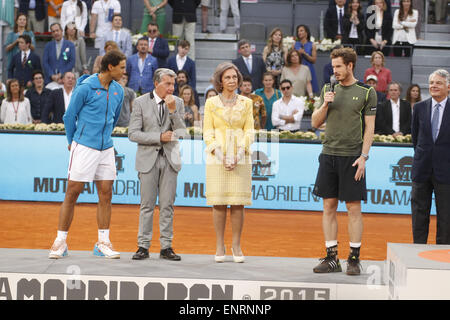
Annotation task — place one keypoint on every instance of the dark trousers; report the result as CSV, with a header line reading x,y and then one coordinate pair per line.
x,y
421,197
404,51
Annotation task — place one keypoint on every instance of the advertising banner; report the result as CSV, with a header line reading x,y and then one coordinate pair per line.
x,y
33,167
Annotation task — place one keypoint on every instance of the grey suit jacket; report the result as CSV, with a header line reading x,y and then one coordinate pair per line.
x,y
145,128
125,42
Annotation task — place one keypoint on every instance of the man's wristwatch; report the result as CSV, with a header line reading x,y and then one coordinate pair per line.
x,y
365,156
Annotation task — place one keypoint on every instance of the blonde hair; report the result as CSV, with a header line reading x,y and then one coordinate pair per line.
x,y
191,101
374,54
111,43
270,44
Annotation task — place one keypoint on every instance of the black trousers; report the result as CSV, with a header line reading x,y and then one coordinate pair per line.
x,y
421,197
406,50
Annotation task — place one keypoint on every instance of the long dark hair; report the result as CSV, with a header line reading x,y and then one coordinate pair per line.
x,y
349,8
16,27
80,5
401,13
408,93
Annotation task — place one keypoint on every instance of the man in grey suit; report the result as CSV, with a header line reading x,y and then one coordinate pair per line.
x,y
119,35
156,122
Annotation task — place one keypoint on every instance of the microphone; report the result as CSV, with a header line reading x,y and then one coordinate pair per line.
x,y
333,82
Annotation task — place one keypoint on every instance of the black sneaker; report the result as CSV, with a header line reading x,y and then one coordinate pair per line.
x,y
141,254
327,265
353,266
169,254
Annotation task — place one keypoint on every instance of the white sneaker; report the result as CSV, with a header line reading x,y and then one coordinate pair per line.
x,y
104,249
58,250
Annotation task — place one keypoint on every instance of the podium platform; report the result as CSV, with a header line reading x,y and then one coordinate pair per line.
x,y
28,274
418,271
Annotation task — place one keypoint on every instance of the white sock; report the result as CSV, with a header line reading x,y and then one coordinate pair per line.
x,y
355,244
331,243
61,235
103,235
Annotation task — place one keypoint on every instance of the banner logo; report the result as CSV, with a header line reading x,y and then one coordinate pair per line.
x,y
261,166
401,172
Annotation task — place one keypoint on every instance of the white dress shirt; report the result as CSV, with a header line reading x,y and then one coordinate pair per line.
x,y
280,108
395,106
25,54
158,100
248,62
441,110
67,97
181,61
141,63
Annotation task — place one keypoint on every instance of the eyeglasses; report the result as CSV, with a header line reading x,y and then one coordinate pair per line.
x,y
152,30
285,88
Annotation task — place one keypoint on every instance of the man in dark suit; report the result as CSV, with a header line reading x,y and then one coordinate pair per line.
x,y
184,19
394,115
36,13
157,46
59,55
333,22
430,169
250,65
24,62
182,62
59,100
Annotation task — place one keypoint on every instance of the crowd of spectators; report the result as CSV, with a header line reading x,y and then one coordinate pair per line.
x,y
39,88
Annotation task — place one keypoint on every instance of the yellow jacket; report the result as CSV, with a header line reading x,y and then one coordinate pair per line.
x,y
228,128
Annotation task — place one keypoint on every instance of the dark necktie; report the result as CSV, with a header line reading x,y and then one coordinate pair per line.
x,y
435,122
161,110
340,22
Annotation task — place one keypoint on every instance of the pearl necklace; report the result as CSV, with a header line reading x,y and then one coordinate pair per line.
x,y
228,101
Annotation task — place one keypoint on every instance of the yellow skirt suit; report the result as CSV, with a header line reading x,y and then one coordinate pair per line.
x,y
230,129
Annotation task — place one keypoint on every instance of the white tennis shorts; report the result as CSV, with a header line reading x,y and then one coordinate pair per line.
x,y
87,164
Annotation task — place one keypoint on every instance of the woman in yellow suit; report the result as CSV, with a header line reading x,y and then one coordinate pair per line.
x,y
228,133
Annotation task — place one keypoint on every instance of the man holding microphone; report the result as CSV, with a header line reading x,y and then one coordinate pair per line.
x,y
349,109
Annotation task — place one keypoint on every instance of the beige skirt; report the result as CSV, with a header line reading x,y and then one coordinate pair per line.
x,y
229,187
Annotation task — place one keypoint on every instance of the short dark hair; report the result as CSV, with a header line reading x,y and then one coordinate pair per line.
x,y
113,57
285,81
153,24
242,42
289,57
142,39
185,73
37,71
55,23
184,44
246,79
347,54
26,38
